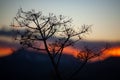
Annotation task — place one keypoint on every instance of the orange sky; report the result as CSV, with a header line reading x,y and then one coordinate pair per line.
x,y
70,51
110,52
5,51
114,51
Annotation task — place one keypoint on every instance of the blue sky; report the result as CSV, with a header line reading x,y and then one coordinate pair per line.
x,y
104,15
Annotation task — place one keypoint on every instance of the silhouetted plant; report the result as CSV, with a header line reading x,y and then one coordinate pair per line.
x,y
50,34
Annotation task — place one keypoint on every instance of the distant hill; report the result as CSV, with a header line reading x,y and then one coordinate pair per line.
x,y
108,69
30,65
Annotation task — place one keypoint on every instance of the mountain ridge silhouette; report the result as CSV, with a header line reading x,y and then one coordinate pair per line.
x,y
29,65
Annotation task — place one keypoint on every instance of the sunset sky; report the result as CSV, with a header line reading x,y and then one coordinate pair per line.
x,y
104,15
35,46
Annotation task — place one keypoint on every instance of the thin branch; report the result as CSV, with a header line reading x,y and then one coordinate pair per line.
x,y
37,48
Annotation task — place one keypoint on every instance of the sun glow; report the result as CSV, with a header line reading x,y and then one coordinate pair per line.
x,y
110,52
114,51
70,51
5,51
